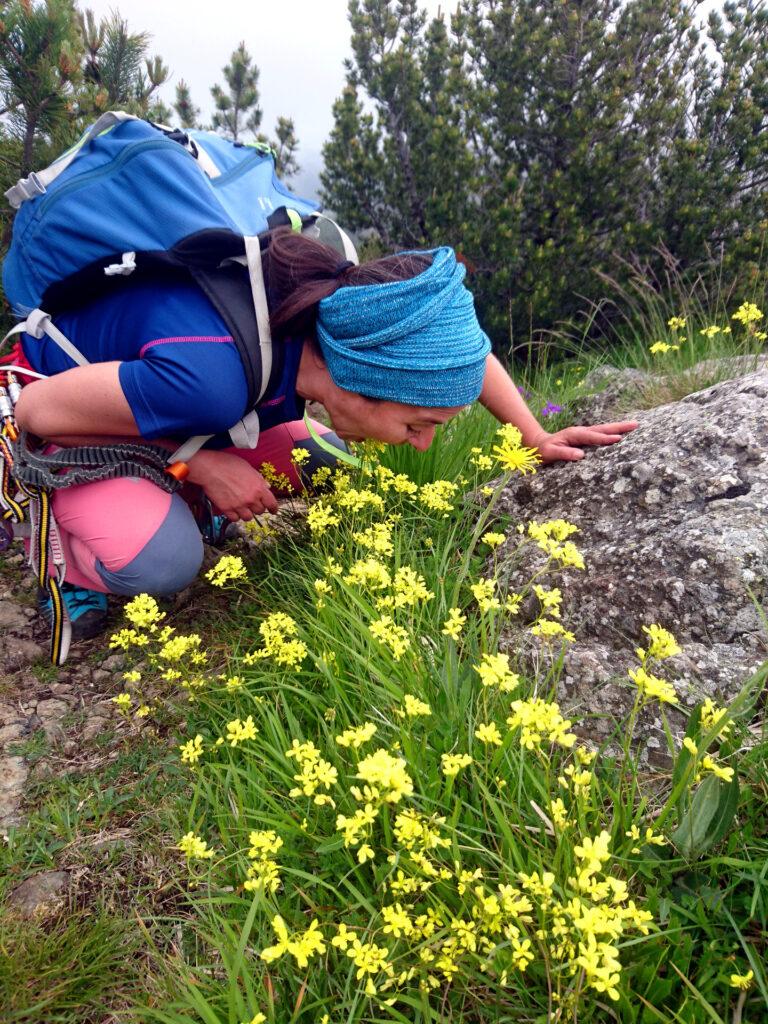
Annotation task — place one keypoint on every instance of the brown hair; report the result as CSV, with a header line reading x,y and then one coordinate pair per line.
x,y
301,271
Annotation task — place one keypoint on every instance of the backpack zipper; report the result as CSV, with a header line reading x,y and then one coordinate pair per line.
x,y
101,172
235,172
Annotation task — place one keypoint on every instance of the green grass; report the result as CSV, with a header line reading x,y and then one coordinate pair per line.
x,y
159,940
706,889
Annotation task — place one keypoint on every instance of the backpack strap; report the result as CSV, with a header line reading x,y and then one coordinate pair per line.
x,y
38,181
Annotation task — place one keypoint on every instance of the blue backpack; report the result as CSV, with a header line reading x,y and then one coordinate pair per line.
x,y
134,198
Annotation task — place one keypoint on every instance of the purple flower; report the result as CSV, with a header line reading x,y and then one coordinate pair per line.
x,y
550,409
526,394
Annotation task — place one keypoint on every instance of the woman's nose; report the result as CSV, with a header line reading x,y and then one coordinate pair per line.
x,y
423,439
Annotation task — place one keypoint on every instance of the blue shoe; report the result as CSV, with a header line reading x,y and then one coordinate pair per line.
x,y
87,609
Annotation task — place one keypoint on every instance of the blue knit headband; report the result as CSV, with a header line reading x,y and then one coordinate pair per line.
x,y
416,341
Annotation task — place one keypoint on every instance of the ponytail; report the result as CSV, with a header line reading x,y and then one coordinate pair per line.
x,y
301,272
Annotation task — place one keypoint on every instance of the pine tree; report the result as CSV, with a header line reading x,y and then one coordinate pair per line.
x,y
284,146
237,110
39,67
549,141
186,111
117,73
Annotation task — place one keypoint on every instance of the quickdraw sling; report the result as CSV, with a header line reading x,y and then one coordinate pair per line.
x,y
27,480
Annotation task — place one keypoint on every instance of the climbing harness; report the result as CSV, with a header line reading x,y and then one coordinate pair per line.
x,y
28,477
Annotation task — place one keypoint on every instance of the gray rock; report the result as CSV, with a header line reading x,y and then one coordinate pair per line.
x,y
610,393
40,896
13,732
18,652
12,616
51,712
93,727
13,776
114,663
673,532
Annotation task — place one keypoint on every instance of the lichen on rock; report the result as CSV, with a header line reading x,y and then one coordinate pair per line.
x,y
673,530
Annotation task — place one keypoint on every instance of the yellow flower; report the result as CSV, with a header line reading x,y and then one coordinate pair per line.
x,y
258,1019
537,719
192,750
342,938
662,645
143,612
676,323
413,707
386,774
302,945
453,763
453,624
494,670
228,568
377,538
390,635
515,458
712,716
742,981
550,599
653,688
370,573
548,629
437,495
708,764
747,313
299,456
239,732
123,701
488,733
194,847
368,958
493,540
357,735
320,518
409,587
484,593
661,348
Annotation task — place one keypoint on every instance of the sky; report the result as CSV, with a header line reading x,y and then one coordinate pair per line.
x,y
298,45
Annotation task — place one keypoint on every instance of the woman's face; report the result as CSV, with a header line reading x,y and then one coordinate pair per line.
x,y
356,418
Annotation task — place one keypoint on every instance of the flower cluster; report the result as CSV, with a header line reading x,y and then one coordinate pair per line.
x,y
280,643
228,569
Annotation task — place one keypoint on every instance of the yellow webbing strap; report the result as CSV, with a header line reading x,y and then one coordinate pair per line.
x,y
331,449
48,583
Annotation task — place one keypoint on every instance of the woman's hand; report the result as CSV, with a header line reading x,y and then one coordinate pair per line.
x,y
562,446
234,488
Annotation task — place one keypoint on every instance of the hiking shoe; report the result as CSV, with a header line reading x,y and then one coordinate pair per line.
x,y
87,609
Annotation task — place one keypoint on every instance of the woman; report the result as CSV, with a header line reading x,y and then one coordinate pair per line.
x,y
391,348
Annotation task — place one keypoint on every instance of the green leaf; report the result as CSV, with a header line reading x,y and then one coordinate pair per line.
x,y
708,818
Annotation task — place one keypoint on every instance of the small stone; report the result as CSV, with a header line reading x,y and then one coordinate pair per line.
x,y
16,653
94,727
13,732
114,663
13,775
51,713
100,677
40,896
12,616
